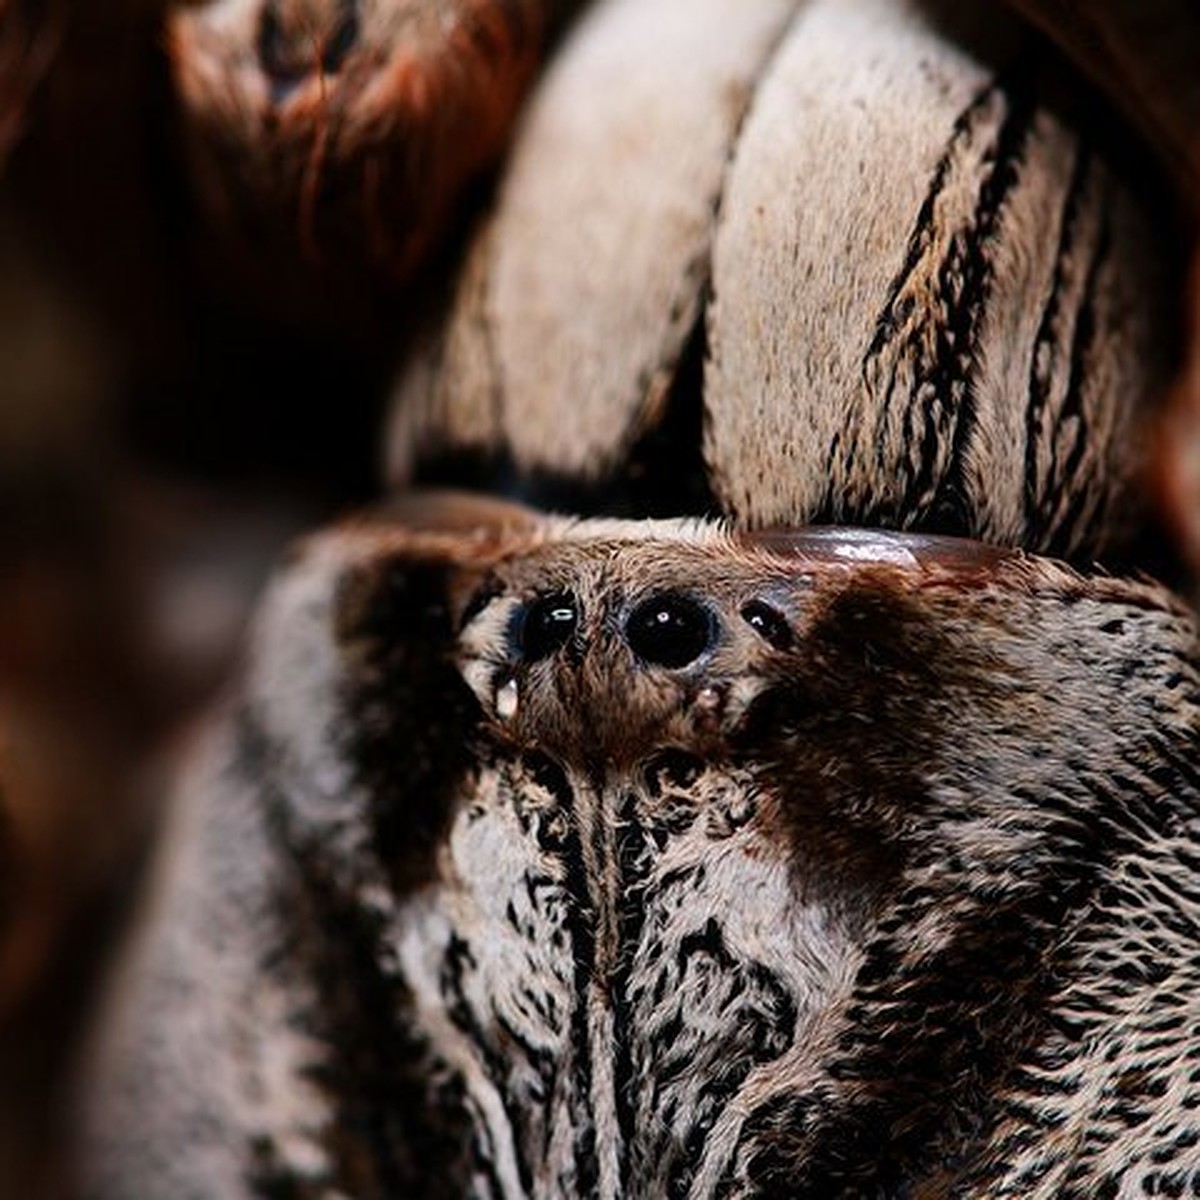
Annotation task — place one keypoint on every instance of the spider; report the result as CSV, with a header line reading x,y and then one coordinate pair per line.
x,y
722,768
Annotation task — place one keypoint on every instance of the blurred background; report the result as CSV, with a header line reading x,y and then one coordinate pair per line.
x,y
162,434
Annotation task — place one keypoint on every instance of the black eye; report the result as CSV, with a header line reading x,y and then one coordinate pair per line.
x,y
669,630
769,624
548,625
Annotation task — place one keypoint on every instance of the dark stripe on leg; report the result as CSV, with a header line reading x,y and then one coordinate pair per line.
x,y
972,257
1064,475
930,326
1048,350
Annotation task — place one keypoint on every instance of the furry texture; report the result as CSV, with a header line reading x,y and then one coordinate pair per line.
x,y
601,237
888,889
967,288
547,857
918,290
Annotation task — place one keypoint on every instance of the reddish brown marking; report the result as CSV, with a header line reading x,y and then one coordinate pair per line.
x,y
1178,453
349,175
866,547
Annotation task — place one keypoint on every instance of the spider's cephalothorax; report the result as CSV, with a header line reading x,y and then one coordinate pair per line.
x,y
560,859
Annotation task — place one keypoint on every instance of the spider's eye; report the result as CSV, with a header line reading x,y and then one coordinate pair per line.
x,y
548,625
669,630
769,624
